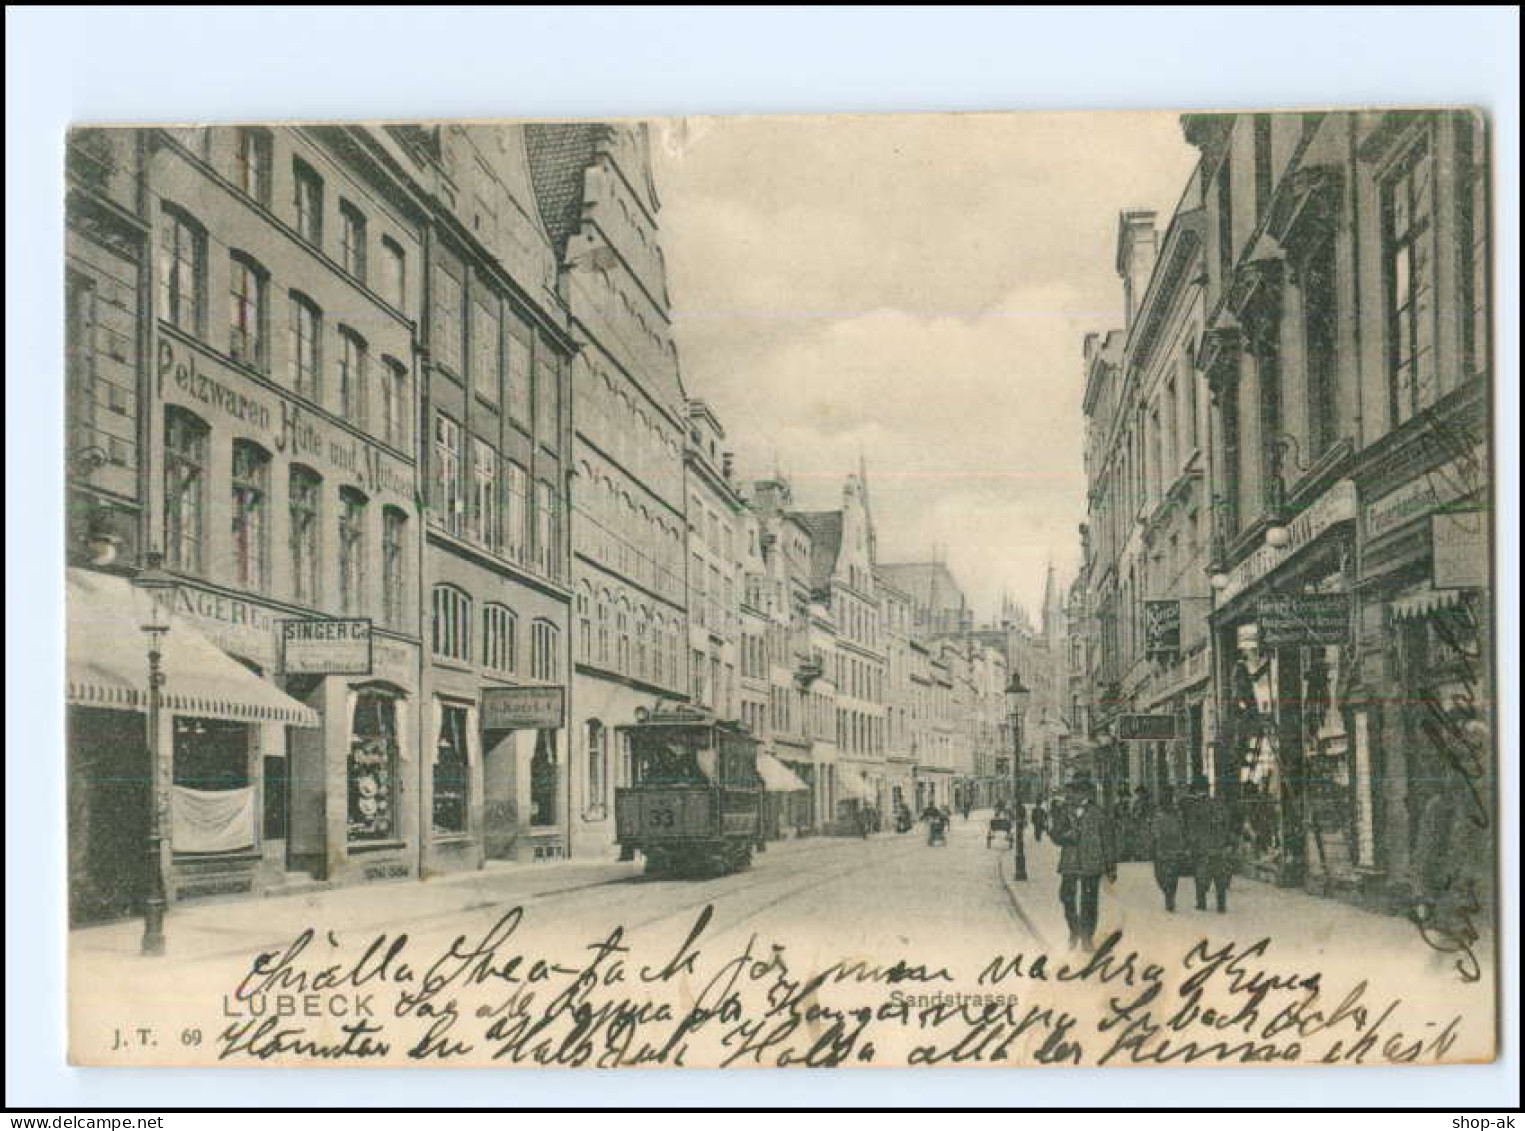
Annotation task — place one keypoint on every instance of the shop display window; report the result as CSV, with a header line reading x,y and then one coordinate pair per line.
x,y
372,769
452,772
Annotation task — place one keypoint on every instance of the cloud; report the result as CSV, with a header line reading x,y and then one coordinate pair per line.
x,y
913,289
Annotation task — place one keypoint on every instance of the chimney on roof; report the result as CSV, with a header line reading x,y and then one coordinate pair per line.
x,y
727,464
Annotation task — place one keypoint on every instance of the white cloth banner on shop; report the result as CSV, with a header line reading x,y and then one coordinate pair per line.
x,y
211,821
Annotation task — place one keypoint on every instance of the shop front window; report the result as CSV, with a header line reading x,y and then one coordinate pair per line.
x,y
598,768
452,772
372,768
543,780
211,798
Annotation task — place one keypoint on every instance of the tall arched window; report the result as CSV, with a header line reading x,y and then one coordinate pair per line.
x,y
186,438
353,519
545,651
584,622
603,627
182,270
640,642
248,312
622,635
354,396
251,516
451,624
500,638
306,350
394,535
304,510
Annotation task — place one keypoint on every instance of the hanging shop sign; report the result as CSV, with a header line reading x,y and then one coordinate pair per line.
x,y
326,647
1146,728
1459,549
1162,627
523,708
1304,619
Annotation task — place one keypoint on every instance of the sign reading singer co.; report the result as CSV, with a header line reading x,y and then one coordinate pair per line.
x,y
326,647
523,708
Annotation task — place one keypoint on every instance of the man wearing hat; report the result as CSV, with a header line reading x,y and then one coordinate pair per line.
x,y
1087,852
1209,831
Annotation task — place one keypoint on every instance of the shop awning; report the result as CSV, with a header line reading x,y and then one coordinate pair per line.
x,y
1423,602
850,783
777,777
107,662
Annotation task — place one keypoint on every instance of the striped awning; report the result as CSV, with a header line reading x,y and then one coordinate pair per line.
x,y
1423,602
777,777
107,662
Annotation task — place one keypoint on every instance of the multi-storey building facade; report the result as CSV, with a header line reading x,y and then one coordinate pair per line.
x,y
271,457
1146,407
1323,285
599,204
843,586
494,449
715,578
901,734
797,680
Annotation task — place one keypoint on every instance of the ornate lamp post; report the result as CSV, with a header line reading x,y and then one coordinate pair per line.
x,y
1017,698
157,595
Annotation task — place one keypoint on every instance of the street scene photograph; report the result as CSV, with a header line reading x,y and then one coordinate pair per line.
x,y
861,590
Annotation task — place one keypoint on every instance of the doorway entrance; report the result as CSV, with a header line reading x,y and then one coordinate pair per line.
x,y
109,790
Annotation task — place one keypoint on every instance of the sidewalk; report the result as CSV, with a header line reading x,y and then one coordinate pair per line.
x,y
1300,925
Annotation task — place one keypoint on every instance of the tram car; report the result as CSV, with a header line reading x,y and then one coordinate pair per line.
x,y
694,805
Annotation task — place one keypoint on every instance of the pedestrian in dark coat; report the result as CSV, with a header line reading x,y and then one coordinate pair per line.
x,y
1167,846
1087,853
1209,830
1040,821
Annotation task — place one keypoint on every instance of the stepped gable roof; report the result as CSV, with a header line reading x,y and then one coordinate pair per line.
x,y
825,543
559,153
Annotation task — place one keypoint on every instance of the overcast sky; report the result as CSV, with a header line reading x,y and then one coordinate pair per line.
x,y
914,289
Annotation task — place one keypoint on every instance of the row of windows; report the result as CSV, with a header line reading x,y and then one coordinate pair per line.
x,y
632,433
481,497
858,733
454,636
252,174
311,356
187,452
855,621
627,638
858,678
483,340
641,542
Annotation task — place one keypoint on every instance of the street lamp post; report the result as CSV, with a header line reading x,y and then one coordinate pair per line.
x,y
1017,697
157,588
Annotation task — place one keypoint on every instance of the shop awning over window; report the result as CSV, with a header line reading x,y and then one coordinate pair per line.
x,y
107,662
777,777
850,783
1424,602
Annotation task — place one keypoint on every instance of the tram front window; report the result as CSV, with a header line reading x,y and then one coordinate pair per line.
x,y
669,759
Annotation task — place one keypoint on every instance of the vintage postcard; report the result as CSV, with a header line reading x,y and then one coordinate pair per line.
x,y
983,589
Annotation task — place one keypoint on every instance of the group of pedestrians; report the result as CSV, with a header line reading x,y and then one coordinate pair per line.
x,y
1193,835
